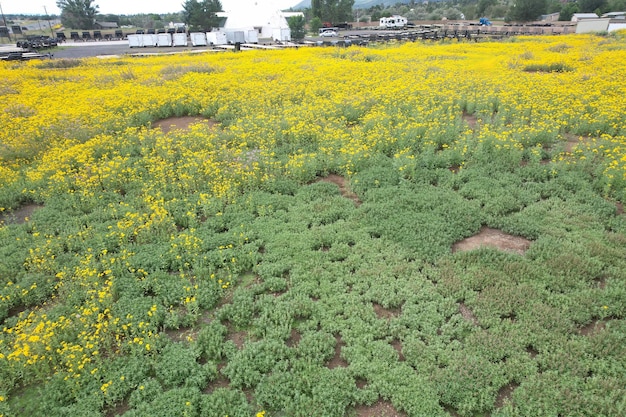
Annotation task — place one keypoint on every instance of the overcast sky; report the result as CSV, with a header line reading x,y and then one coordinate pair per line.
x,y
122,6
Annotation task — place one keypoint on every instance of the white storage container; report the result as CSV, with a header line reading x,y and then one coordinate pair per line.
x,y
164,39
180,39
216,38
234,36
135,41
281,34
198,39
149,40
252,36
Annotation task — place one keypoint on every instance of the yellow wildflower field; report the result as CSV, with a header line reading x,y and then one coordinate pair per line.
x,y
138,236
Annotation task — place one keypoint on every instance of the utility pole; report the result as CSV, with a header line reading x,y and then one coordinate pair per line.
x,y
5,22
49,24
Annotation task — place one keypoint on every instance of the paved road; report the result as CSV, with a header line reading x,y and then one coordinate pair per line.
x,y
106,48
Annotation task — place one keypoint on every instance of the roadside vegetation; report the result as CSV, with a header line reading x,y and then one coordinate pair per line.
x,y
296,248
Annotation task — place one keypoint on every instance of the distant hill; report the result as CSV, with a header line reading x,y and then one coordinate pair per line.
x,y
359,4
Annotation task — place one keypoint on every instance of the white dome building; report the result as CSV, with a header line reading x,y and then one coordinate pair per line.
x,y
264,16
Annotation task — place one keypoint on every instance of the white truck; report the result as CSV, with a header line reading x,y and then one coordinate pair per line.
x,y
393,22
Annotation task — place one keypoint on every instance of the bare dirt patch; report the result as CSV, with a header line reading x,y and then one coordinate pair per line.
x,y
593,328
118,410
378,409
620,208
454,169
532,352
344,187
451,411
181,123
361,383
470,119
179,335
16,310
397,345
467,314
20,215
573,141
493,238
504,395
238,338
337,361
220,382
384,313
294,338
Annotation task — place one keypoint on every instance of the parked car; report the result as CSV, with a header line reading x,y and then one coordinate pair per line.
x,y
328,34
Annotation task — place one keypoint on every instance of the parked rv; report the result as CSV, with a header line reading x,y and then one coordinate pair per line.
x,y
393,22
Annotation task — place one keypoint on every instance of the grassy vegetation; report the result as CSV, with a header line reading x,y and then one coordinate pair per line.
x,y
219,270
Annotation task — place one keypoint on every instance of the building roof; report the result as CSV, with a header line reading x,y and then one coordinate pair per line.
x,y
107,25
252,13
585,16
615,14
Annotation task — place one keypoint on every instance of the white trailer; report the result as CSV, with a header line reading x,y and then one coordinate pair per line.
x,y
164,39
180,39
135,41
236,36
393,22
281,34
216,38
198,39
251,36
149,39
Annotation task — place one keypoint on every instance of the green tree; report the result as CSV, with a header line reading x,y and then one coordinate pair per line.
x,y
332,10
589,6
567,11
296,25
315,24
78,14
483,5
527,10
617,5
201,15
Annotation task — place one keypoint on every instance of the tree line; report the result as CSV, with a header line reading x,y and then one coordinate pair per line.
x,y
197,15
508,10
202,14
